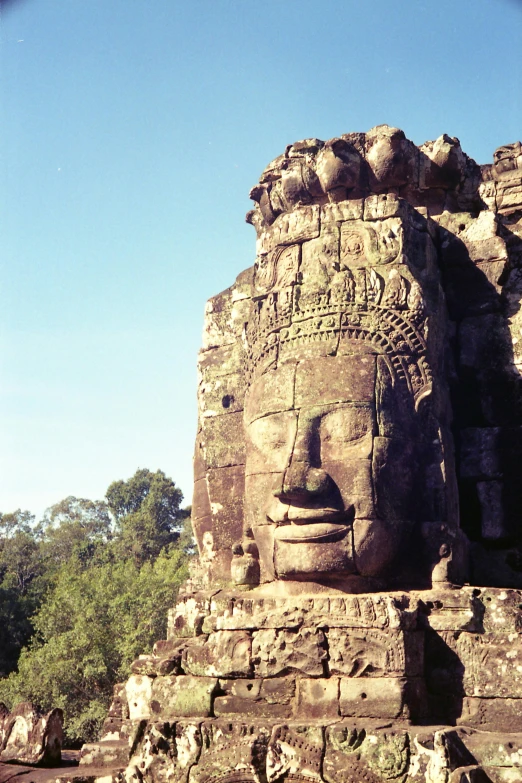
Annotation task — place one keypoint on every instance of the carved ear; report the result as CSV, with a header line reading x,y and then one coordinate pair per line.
x,y
394,403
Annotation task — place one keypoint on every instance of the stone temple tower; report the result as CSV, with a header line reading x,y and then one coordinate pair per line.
x,y
356,608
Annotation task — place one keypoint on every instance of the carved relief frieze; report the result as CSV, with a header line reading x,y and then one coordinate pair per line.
x,y
375,653
341,211
277,270
231,752
275,330
295,753
365,244
355,753
291,227
373,611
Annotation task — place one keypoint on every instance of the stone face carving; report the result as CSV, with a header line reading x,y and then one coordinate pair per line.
x,y
397,258
356,466
345,441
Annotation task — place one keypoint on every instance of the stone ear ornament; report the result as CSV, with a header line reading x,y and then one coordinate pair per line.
x,y
244,568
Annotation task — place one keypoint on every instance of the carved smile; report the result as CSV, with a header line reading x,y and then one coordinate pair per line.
x,y
311,532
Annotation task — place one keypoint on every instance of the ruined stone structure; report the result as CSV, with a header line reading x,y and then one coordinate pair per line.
x,y
355,614
387,284
30,736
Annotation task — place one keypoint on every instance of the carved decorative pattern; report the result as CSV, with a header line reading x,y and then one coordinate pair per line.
x,y
291,747
391,756
232,753
282,322
347,739
362,244
277,270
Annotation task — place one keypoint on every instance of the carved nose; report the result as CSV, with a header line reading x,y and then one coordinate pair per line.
x,y
302,481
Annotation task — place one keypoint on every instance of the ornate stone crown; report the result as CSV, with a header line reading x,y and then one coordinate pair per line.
x,y
284,322
325,275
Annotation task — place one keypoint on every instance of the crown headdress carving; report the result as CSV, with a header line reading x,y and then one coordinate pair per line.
x,y
325,275
355,165
285,321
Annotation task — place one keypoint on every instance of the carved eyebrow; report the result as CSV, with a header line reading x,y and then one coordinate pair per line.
x,y
264,415
329,407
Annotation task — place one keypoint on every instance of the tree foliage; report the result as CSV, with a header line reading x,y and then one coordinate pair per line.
x,y
19,564
74,528
147,513
21,585
86,590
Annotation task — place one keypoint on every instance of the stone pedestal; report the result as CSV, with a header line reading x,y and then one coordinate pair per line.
x,y
419,686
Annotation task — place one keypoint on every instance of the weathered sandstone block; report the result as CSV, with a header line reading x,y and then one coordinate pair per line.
x,y
277,652
221,654
182,696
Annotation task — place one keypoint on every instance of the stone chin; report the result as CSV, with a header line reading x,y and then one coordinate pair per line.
x,y
313,551
329,551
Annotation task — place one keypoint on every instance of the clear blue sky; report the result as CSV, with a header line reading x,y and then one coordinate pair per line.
x,y
132,131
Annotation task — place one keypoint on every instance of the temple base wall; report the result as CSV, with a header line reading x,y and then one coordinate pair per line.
x,y
419,686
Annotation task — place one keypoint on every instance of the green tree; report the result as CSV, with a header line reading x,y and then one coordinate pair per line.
x,y
74,528
19,563
186,540
21,584
110,571
90,627
147,513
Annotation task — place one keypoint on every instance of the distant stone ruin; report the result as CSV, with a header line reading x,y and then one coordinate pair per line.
x,y
29,736
355,614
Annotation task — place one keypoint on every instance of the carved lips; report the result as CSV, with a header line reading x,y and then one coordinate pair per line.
x,y
311,532
314,525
